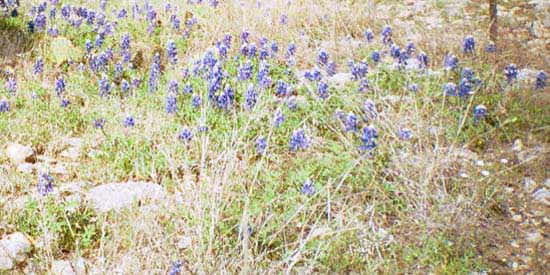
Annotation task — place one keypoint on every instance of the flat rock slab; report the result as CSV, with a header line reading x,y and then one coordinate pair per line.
x,y
116,196
13,249
19,153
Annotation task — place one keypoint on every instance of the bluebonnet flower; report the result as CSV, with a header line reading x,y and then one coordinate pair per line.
x,y
4,106
154,73
350,122
263,42
298,140
53,32
122,13
136,83
251,97
185,135
171,104
176,22
358,70
291,50
449,89
395,51
491,48
40,21
511,72
222,50
467,73
173,86
245,71
39,66
151,14
386,35
244,36
244,49
451,62
370,134
175,269
103,4
11,85
251,50
124,86
283,88
31,26
99,40
410,49
66,11
264,80
45,184
308,188
464,88
264,53
196,100
99,123
540,81
129,122
119,69
261,145
225,99
203,128
53,13
369,35
283,19
331,69
405,134
88,45
375,56
480,112
292,103
469,44
422,60
322,58
370,108
64,103
363,85
227,40
188,89
322,90
171,52
274,48
104,86
278,119
125,42
413,87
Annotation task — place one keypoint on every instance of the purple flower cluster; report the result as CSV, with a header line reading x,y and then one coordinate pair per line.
x,y
298,140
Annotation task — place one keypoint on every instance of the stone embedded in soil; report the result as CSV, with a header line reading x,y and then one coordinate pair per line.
x,y
19,153
13,249
542,196
116,196
62,267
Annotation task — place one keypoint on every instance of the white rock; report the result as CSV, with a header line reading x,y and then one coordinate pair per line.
x,y
184,242
60,169
6,262
62,267
533,237
79,266
19,153
25,167
72,153
542,195
16,245
115,196
485,173
529,184
339,80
